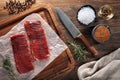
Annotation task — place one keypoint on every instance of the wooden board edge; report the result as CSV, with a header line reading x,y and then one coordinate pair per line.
x,y
52,14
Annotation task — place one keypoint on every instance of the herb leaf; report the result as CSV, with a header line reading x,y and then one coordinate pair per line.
x,y
8,66
78,50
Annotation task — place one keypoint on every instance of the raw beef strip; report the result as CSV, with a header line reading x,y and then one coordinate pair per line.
x,y
38,43
21,53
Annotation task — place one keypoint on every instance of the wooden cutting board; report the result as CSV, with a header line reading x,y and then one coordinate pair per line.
x,y
63,63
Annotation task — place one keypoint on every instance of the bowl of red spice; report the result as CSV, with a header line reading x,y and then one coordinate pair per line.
x,y
101,33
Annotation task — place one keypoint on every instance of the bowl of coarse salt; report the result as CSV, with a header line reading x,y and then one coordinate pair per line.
x,y
86,15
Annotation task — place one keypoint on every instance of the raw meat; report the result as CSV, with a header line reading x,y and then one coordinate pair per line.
x,y
38,43
21,53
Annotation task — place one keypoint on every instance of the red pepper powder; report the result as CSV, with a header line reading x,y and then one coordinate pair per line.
x,y
102,33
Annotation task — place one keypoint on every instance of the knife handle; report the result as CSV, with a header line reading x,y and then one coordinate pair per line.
x,y
88,45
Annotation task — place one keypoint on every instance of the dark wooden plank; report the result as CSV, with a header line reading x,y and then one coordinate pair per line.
x,y
70,7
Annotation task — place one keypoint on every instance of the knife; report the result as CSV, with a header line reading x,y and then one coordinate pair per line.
x,y
74,31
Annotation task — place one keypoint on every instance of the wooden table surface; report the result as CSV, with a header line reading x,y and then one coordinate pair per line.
x,y
70,7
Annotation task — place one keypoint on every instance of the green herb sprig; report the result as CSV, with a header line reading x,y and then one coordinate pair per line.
x,y
8,66
79,52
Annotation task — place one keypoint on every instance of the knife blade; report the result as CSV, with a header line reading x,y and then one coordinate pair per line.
x,y
68,24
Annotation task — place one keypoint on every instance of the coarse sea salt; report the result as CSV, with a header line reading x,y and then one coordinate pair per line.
x,y
86,15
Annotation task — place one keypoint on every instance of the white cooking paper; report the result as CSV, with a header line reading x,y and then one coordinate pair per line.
x,y
55,44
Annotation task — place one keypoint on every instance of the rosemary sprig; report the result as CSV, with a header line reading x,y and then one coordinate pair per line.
x,y
78,50
8,66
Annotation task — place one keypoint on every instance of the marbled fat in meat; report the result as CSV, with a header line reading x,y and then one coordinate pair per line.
x,y
38,43
21,53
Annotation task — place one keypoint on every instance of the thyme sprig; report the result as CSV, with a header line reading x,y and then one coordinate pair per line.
x,y
79,52
8,66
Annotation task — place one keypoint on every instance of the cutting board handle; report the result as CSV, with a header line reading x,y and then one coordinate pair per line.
x,y
88,45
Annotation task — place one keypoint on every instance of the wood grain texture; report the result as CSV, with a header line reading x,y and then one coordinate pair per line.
x,y
63,63
88,45
70,7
